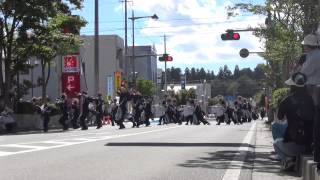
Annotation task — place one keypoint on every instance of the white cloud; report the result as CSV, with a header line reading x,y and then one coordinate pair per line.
x,y
196,40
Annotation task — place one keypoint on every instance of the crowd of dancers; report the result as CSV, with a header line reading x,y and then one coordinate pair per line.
x,y
132,106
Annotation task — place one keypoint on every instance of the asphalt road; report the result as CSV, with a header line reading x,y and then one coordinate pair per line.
x,y
147,153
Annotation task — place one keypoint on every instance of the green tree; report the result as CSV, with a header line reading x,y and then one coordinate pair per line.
x,y
17,19
202,73
259,72
247,86
288,21
145,87
191,94
233,88
236,72
187,73
182,97
52,41
220,73
193,74
226,72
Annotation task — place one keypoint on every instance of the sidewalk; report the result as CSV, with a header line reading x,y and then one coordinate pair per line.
x,y
265,168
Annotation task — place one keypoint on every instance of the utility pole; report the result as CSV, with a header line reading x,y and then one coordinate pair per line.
x,y
165,64
133,60
126,37
96,45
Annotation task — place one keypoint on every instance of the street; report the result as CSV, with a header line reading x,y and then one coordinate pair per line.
x,y
156,152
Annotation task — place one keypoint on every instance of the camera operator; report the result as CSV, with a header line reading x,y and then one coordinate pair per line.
x,y
63,105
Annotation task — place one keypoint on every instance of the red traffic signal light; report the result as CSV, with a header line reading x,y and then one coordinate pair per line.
x,y
166,57
230,36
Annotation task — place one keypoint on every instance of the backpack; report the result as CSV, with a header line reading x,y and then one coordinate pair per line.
x,y
299,131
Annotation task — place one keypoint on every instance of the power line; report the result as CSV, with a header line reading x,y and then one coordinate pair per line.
x,y
170,20
159,27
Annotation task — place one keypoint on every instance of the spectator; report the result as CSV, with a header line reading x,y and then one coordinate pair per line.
x,y
298,108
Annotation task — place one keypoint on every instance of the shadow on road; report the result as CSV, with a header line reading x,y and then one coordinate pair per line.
x,y
179,144
259,162
222,160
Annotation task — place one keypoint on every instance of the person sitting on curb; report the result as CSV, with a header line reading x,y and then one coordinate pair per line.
x,y
298,109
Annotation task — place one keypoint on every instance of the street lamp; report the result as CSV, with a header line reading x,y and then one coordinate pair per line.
x,y
133,18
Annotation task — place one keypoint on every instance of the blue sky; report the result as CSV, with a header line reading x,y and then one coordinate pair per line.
x,y
193,28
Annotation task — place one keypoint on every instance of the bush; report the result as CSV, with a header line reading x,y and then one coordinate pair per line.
x,y
24,107
55,110
278,95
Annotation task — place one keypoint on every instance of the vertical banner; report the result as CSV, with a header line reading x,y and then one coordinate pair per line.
x,y
110,86
117,76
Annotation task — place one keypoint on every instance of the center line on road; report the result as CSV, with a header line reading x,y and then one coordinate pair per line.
x,y
234,174
60,142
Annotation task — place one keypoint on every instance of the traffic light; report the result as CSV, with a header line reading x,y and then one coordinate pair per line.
x,y
166,57
230,36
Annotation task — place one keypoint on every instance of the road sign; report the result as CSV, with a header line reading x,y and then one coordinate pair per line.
x,y
244,53
71,84
70,63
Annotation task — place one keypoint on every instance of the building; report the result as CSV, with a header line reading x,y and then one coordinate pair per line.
x,y
145,58
111,62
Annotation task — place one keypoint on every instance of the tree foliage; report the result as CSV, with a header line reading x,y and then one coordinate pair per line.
x,y
19,20
287,22
145,87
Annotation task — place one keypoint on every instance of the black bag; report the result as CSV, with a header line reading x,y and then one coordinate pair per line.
x,y
298,129
254,116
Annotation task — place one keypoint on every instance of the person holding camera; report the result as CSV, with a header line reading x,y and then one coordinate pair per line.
x,y
63,105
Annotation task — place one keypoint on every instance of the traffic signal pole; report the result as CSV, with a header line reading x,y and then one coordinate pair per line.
x,y
126,37
165,64
96,46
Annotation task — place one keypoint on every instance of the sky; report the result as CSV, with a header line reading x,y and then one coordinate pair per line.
x,y
193,29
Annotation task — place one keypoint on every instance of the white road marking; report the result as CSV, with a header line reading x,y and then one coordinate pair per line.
x,y
234,173
64,142
22,146
2,153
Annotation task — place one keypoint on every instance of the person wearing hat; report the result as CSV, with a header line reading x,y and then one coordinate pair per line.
x,y
298,109
311,68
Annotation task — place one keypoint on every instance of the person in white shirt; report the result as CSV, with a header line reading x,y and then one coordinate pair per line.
x,y
311,67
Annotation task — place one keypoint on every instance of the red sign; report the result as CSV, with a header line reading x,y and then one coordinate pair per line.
x,y
70,63
71,84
